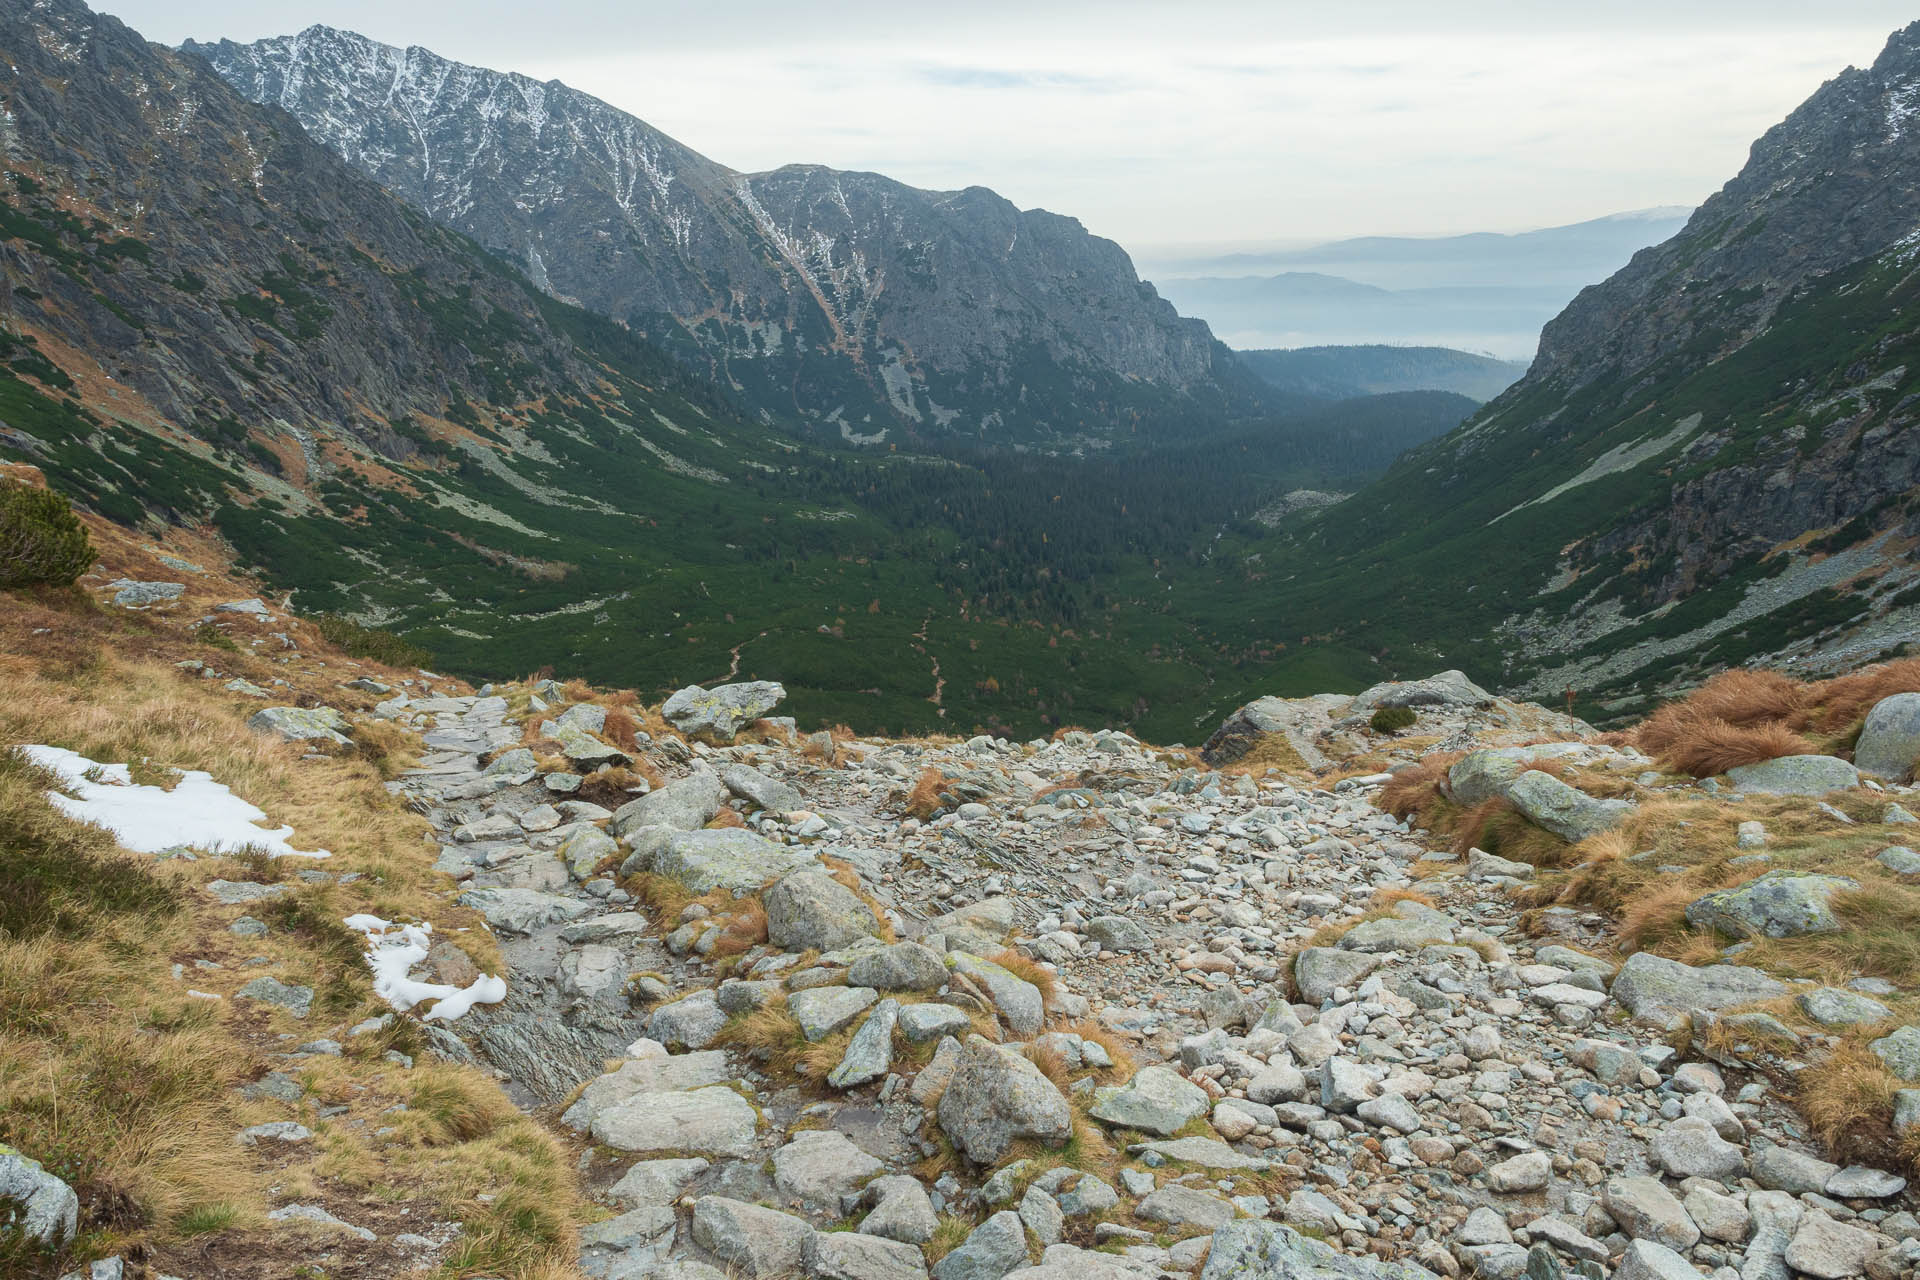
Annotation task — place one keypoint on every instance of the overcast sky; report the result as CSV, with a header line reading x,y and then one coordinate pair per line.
x,y
1228,123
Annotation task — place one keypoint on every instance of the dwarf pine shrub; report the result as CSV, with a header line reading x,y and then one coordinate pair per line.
x,y
41,541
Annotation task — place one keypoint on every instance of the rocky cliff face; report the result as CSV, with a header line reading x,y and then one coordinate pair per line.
x,y
215,262
1713,457
844,298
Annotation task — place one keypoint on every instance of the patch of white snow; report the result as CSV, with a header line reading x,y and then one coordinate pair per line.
x,y
393,950
198,813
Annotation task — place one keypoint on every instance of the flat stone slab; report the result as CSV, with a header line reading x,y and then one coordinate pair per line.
x,y
1208,1153
731,859
712,1121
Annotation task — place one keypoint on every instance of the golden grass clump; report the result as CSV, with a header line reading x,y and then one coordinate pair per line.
x,y
622,730
388,747
1027,969
769,1035
1709,747
1270,751
924,800
1411,792
449,1103
1847,1098
1739,697
1842,702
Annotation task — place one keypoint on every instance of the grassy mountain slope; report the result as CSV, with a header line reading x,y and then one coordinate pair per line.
x,y
1713,459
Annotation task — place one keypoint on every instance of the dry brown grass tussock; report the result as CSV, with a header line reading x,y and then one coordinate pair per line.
x,y
1710,747
1027,969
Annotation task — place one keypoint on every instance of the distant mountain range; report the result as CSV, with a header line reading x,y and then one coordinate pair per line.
x,y
1347,373
1486,292
847,300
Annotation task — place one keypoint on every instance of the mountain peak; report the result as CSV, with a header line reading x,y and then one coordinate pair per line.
x,y
820,295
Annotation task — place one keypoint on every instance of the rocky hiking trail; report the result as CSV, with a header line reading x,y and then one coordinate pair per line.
x,y
863,1009
1108,1013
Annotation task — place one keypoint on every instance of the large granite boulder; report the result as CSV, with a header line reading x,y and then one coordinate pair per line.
x,y
1663,992
685,805
1568,812
1779,904
1250,1249
1482,775
1295,719
1889,742
1447,689
810,909
719,713
995,1097
729,858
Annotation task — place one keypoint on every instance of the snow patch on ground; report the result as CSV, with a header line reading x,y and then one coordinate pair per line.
x,y
393,950
198,813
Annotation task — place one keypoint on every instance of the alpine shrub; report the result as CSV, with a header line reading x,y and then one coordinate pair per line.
x,y
41,541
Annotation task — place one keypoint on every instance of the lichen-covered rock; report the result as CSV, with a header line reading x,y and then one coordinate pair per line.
x,y
730,858
1796,776
810,909
869,1054
821,1011
49,1207
585,850
720,713
1156,1100
712,1121
1889,742
1482,775
1568,812
820,1167
757,788
996,1097
756,1242
687,804
994,1248
1318,970
1248,1249
1662,991
302,724
1779,904
981,927
1018,1001
904,966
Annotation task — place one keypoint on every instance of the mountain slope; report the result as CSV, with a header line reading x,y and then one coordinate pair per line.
x,y
1714,456
214,322
846,299
1343,373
